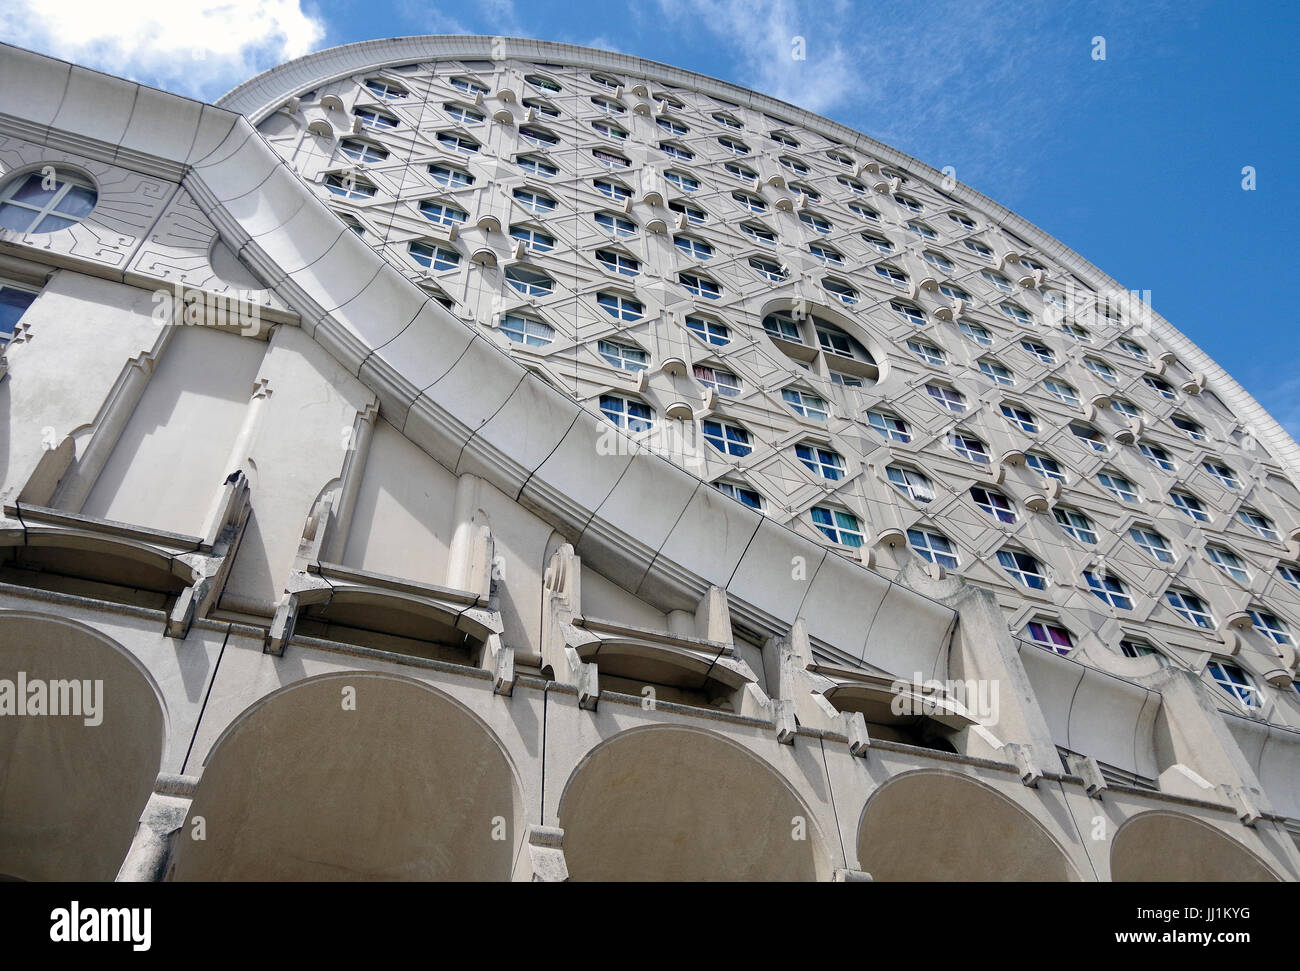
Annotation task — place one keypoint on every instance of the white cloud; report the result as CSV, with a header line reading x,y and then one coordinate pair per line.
x,y
788,50
195,47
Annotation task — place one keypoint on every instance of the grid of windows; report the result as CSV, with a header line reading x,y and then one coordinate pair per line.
x,y
1233,680
526,330
1189,505
1290,574
700,286
620,307
434,257
969,447
1191,606
451,177
839,526
347,185
721,381
826,462
617,262
1050,636
950,398
727,438
533,239
14,301
361,151
1152,542
1222,473
1024,568
1133,647
1044,465
1076,524
748,496
1040,351
442,213
927,352
1008,302
1227,561
1157,456
1256,523
1271,626
997,372
890,426
623,356
1109,589
711,331
911,483
535,165
533,283
628,413
1085,432
994,503
934,547
803,403
694,247
1061,390
1021,418
1118,486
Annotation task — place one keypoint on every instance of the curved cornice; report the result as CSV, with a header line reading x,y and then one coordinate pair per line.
x,y
262,94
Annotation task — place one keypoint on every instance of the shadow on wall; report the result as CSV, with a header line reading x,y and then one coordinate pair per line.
x,y
1169,846
309,784
939,826
73,786
670,803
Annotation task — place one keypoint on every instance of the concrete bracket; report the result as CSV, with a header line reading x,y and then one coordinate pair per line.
x,y
855,727
786,727
1086,767
847,875
502,666
1245,802
1029,772
543,858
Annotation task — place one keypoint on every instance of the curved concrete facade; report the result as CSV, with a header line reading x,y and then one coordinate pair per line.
x,y
408,605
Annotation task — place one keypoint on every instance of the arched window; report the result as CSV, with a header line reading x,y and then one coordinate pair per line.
x,y
41,203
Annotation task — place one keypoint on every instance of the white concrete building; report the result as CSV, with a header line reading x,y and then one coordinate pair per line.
x,y
467,458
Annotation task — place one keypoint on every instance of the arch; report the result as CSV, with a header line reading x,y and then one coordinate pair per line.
x,y
936,825
73,787
867,356
667,802
408,784
1169,846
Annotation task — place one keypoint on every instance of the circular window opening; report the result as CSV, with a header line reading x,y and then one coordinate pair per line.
x,y
815,340
45,200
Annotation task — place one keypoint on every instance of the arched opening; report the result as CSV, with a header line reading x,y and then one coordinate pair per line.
x,y
397,624
1171,847
823,342
72,784
671,803
938,826
677,675
93,567
354,776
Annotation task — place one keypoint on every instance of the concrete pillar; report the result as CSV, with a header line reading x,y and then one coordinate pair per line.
x,y
164,815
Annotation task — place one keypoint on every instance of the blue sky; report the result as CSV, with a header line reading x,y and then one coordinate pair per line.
x,y
1135,161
